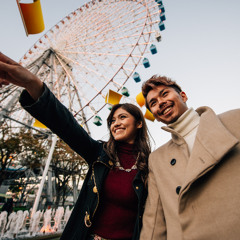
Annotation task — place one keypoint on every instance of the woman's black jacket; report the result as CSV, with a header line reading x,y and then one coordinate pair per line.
x,y
49,111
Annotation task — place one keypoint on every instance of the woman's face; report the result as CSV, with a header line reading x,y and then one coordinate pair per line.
x,y
124,126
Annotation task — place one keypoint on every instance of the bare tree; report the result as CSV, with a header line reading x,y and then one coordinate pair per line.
x,y
19,151
65,164
9,149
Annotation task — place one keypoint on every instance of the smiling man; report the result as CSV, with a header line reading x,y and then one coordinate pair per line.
x,y
194,180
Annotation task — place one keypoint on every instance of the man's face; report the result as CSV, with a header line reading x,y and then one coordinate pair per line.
x,y
166,104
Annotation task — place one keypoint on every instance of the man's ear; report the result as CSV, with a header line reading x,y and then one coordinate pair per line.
x,y
184,96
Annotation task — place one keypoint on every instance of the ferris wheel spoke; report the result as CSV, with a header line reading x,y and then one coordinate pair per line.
x,y
101,16
110,29
75,84
87,69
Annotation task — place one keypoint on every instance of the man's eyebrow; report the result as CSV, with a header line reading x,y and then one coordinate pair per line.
x,y
159,94
151,100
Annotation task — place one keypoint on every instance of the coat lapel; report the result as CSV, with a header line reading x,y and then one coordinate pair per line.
x,y
213,141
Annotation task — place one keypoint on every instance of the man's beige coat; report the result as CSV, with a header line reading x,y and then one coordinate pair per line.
x,y
207,206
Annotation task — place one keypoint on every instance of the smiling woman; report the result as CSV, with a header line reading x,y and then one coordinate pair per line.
x,y
111,201
124,126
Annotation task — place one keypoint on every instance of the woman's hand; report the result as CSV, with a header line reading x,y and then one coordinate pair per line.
x,y
13,72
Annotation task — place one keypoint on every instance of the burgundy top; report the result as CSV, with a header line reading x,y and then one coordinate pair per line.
x,y
117,212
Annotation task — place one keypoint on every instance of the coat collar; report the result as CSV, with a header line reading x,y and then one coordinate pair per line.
x,y
213,135
213,141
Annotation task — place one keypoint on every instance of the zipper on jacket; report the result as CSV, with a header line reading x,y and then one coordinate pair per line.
x,y
87,220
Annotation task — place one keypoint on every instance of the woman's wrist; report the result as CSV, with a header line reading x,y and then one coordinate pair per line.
x,y
35,89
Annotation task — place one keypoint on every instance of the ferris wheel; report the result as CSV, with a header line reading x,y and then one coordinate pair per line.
x,y
93,49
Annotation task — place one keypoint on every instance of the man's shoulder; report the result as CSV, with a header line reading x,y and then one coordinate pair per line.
x,y
230,113
231,120
230,116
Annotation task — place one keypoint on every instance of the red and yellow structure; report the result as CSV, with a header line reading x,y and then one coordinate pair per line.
x,y
32,17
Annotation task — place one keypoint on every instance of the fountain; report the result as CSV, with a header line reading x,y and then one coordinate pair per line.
x,y
47,221
43,224
3,222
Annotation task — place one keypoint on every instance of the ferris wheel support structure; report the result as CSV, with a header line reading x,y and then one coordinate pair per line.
x,y
7,109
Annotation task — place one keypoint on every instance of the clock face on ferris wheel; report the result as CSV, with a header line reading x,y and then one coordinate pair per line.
x,y
93,49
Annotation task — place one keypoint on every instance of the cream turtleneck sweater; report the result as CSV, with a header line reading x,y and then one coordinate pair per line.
x,y
187,126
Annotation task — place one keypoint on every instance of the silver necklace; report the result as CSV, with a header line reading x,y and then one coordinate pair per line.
x,y
134,166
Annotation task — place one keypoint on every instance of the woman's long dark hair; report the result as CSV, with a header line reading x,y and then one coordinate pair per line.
x,y
142,142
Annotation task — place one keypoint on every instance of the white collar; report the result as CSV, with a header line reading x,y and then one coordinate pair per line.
x,y
186,122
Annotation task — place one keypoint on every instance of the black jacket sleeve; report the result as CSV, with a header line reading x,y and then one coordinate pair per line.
x,y
53,114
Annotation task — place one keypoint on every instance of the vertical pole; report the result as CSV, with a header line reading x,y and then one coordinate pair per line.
x,y
75,190
49,188
36,202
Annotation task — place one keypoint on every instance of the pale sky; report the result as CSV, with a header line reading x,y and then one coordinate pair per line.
x,y
199,49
